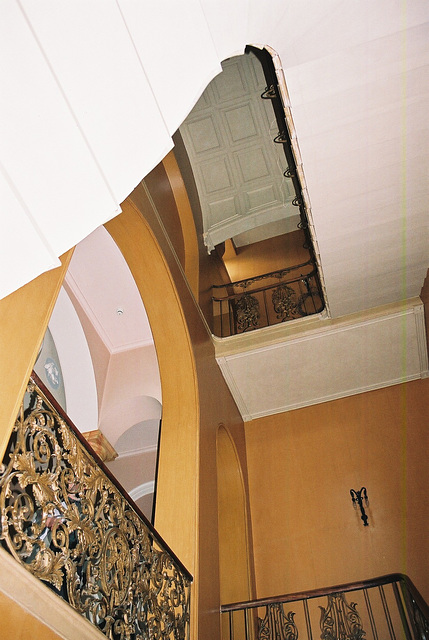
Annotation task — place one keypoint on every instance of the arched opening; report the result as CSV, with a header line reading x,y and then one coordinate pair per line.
x,y
248,195
234,550
234,547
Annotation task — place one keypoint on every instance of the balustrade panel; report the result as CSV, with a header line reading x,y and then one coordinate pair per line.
x,y
265,300
66,521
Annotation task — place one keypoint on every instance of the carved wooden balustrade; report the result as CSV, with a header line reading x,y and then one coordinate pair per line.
x,y
386,608
66,520
287,294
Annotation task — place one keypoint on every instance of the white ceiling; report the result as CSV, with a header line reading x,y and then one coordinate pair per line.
x,y
92,95
91,101
100,279
360,116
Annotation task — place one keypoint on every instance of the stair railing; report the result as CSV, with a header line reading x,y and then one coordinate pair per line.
x,y
290,293
385,608
67,520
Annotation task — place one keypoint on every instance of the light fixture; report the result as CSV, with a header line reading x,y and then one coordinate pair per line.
x,y
358,498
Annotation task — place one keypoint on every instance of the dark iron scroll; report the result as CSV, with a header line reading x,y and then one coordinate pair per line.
x,y
390,607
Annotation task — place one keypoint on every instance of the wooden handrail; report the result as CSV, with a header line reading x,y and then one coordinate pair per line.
x,y
263,276
421,602
317,593
234,296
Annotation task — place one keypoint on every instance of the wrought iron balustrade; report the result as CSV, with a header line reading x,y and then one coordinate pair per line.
x,y
66,520
288,294
386,608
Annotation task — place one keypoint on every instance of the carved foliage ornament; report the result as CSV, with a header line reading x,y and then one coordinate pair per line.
x,y
65,521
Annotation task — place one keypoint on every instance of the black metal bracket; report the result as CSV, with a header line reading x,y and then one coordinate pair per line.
x,y
358,498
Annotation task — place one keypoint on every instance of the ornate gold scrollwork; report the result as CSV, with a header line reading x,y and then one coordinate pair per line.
x,y
66,522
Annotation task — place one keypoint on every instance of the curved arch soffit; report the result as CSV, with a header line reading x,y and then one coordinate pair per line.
x,y
76,364
131,231
142,490
140,438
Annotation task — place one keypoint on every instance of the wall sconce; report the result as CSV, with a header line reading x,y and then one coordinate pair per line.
x,y
358,498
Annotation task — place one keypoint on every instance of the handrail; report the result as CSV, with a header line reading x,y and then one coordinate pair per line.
x,y
293,292
234,296
67,520
387,606
421,602
279,273
324,591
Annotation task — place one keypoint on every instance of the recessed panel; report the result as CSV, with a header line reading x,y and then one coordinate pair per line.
x,y
230,84
222,210
261,198
203,102
216,175
252,164
240,123
203,135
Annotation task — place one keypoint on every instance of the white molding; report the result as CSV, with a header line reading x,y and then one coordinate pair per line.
x,y
238,224
81,298
136,452
18,584
422,344
408,314
241,405
331,397
309,328
138,344
142,490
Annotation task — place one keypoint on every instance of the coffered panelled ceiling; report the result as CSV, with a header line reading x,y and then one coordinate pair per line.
x,y
237,167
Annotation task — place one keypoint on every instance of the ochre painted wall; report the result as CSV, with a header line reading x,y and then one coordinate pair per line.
x,y
302,465
195,397
266,256
236,568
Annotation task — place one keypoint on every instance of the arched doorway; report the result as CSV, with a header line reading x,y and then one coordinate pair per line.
x,y
235,577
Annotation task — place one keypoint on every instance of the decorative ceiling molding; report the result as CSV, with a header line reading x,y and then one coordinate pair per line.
x,y
334,360
142,490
